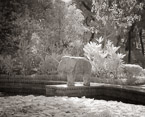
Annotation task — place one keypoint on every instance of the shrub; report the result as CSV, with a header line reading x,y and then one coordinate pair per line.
x,y
7,65
49,64
132,70
142,73
106,62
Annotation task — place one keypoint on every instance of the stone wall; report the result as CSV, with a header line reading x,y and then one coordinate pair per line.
x,y
28,84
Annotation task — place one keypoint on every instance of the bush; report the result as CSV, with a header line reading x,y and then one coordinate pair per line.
x,y
106,62
49,64
132,70
132,73
6,65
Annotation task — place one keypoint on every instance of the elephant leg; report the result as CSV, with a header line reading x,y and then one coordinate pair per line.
x,y
70,79
86,79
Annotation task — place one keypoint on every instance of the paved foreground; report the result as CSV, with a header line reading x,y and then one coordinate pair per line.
x,y
41,106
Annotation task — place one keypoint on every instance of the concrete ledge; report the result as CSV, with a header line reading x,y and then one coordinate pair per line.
x,y
25,85
130,94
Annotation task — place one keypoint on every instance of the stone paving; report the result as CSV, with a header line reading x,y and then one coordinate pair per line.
x,y
41,106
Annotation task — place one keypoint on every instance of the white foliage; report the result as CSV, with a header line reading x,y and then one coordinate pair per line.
x,y
104,60
132,70
143,72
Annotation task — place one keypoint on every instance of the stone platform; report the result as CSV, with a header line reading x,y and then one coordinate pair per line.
x,y
129,94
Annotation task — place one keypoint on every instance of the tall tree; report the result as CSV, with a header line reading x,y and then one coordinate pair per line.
x,y
114,19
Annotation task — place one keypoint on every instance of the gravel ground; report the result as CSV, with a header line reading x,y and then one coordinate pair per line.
x,y
41,106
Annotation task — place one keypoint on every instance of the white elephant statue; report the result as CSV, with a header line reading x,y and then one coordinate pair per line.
x,y
73,66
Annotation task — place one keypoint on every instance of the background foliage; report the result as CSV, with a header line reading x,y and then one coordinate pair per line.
x,y
36,34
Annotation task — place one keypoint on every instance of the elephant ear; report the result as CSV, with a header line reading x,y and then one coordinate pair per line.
x,y
83,66
66,64
71,64
61,67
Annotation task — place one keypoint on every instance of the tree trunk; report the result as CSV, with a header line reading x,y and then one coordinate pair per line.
x,y
130,42
141,42
129,46
118,40
92,37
